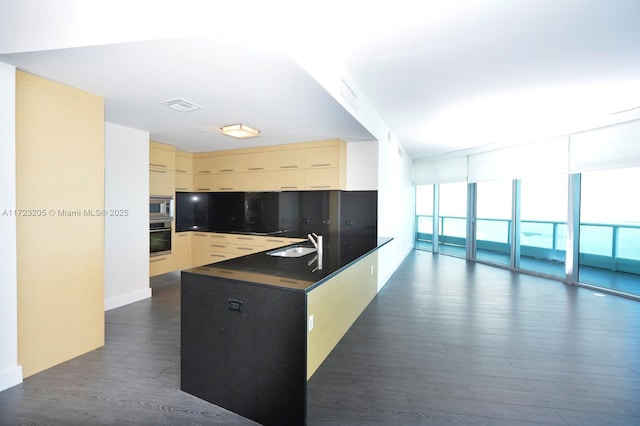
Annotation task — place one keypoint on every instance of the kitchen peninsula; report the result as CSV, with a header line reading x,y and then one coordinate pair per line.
x,y
255,328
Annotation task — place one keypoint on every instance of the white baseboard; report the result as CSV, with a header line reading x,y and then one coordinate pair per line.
x,y
125,299
10,378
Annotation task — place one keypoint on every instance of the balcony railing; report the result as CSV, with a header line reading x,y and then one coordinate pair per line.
x,y
614,247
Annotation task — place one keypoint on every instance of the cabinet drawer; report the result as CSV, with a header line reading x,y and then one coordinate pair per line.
x,y
244,249
160,265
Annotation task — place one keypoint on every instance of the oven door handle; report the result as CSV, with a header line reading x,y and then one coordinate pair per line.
x,y
160,230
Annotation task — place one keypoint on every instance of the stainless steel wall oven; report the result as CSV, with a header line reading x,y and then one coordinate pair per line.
x,y
159,238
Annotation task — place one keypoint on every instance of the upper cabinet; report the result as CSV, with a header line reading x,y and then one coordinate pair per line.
x,y
316,165
184,171
162,163
162,156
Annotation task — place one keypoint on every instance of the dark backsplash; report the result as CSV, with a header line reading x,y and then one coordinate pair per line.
x,y
295,213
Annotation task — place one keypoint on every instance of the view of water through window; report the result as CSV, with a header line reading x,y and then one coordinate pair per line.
x,y
609,244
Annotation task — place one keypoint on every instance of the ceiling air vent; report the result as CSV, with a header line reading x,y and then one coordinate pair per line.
x,y
181,105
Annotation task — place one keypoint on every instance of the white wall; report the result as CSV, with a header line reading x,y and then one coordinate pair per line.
x,y
396,207
126,237
10,371
362,166
396,196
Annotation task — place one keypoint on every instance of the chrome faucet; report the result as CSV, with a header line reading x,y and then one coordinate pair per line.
x,y
317,243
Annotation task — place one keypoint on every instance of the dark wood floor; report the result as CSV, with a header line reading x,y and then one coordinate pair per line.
x,y
445,342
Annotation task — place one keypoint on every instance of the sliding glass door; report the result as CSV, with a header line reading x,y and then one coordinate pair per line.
x,y
493,221
610,230
543,224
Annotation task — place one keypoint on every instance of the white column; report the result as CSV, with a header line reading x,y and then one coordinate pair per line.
x,y
126,194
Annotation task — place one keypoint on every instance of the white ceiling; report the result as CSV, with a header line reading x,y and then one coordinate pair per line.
x,y
446,78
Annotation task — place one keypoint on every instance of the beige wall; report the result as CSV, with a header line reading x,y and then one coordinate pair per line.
x,y
60,255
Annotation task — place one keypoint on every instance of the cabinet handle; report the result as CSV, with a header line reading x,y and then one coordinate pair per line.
x,y
288,187
256,168
288,167
203,189
320,186
226,189
203,171
158,165
181,189
158,259
218,236
217,245
217,255
246,238
157,171
246,248
226,170
200,235
182,235
275,241
181,171
321,165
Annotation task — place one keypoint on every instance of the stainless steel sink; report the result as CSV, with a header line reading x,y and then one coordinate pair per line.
x,y
292,251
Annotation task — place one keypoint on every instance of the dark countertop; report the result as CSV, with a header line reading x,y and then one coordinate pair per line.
x,y
296,273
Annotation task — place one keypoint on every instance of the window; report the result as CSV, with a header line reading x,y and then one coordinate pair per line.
x,y
424,217
543,224
493,221
453,218
610,230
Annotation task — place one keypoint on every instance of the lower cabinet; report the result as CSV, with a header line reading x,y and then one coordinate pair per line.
x,y
191,249
334,306
182,250
243,348
212,247
161,265
252,348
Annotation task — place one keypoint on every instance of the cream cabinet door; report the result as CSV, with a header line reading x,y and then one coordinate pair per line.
x,y
161,182
322,178
255,162
288,159
184,182
322,157
204,182
160,265
184,163
203,165
162,158
225,163
181,249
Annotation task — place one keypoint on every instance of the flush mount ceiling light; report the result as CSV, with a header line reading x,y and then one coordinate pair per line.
x,y
240,131
181,105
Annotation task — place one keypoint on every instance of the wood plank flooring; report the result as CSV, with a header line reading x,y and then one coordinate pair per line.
x,y
445,342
